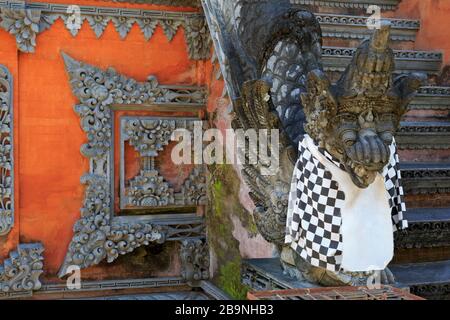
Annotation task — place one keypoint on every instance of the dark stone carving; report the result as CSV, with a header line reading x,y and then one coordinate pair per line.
x,y
424,135
427,234
194,261
6,153
432,291
26,21
194,188
429,280
354,120
365,100
444,77
198,38
21,271
425,178
98,234
354,4
336,59
96,237
432,98
178,3
384,4
355,27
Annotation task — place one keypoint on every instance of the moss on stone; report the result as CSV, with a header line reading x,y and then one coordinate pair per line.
x,y
224,204
230,280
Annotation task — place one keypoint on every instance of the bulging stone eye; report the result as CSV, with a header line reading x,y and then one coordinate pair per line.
x,y
349,143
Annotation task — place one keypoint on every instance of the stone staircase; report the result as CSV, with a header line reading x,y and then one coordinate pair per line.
x,y
422,259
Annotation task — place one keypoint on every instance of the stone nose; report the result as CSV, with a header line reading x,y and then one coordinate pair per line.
x,y
367,133
369,150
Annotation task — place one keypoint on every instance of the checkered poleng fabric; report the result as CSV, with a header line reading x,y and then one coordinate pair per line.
x,y
392,181
316,201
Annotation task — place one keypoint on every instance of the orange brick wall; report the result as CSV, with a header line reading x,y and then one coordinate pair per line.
x,y
434,18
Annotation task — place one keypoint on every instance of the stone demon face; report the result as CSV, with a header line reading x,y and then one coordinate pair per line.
x,y
355,120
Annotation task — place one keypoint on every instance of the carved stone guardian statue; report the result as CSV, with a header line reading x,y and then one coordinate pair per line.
x,y
332,206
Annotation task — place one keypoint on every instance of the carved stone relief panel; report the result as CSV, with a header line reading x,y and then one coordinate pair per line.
x,y
99,234
6,153
20,272
194,260
149,136
26,20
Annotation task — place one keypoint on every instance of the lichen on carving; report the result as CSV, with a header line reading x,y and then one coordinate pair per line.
x,y
198,38
194,260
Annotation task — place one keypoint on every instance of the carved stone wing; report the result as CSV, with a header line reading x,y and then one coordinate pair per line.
x,y
266,49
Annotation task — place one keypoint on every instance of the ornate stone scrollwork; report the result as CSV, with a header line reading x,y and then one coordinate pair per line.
x,y
198,38
98,89
26,21
21,271
194,188
6,153
149,136
149,190
194,260
178,3
97,234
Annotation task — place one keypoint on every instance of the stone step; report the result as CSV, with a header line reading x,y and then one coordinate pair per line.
x,y
424,135
336,59
428,228
349,4
425,177
355,27
431,98
430,280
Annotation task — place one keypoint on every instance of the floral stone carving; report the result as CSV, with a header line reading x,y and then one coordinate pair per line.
x,y
21,271
194,260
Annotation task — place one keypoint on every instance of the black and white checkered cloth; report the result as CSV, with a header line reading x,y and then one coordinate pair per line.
x,y
315,203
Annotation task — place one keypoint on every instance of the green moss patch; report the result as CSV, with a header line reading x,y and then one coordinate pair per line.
x,y
224,204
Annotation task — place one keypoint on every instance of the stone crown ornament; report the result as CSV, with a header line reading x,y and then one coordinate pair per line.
x,y
355,120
